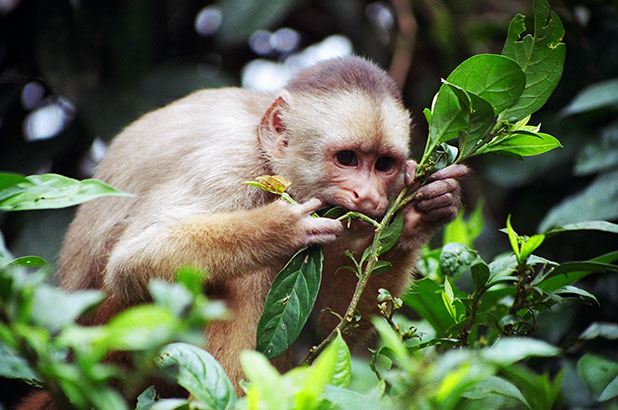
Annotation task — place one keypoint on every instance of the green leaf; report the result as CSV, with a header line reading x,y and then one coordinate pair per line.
x,y
607,331
139,328
577,292
198,372
478,115
602,226
462,231
343,365
381,267
593,97
175,297
266,382
28,261
425,297
14,366
570,277
600,375
147,399
523,145
530,245
456,258
495,78
597,201
507,351
289,302
448,298
495,385
391,234
540,56
50,191
480,274
54,308
513,239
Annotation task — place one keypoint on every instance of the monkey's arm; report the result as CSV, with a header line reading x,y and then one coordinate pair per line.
x,y
224,244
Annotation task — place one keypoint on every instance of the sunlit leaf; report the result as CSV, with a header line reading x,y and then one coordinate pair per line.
x,y
524,145
289,302
28,261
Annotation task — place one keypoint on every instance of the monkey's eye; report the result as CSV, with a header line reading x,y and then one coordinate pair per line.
x,y
347,158
385,164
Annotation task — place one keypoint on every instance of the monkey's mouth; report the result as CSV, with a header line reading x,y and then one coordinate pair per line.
x,y
334,211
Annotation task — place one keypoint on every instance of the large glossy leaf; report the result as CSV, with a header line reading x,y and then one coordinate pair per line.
x,y
495,78
198,372
289,302
540,56
49,191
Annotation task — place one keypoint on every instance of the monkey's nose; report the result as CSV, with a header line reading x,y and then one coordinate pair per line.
x,y
368,202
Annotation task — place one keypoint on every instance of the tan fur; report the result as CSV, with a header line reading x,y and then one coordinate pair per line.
x,y
186,164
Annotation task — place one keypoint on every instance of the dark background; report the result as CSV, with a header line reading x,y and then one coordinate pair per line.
x,y
95,66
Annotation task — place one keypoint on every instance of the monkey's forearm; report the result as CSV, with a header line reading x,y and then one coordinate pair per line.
x,y
225,245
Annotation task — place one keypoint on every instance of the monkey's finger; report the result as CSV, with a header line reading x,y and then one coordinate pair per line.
x,y
444,214
322,230
409,171
437,188
311,206
452,171
435,203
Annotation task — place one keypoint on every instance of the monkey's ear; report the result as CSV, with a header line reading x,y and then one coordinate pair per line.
x,y
271,132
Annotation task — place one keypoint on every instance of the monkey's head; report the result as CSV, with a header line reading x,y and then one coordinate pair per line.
x,y
339,132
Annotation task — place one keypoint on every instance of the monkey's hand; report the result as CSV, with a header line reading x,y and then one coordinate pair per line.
x,y
314,230
436,203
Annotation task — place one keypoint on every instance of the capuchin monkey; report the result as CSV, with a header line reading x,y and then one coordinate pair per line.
x,y
338,131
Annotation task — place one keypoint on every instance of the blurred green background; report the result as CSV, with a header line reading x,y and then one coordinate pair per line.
x,y
73,73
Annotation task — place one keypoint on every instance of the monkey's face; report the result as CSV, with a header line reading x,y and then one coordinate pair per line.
x,y
361,179
347,149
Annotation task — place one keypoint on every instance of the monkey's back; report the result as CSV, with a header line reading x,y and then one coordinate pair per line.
x,y
171,153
